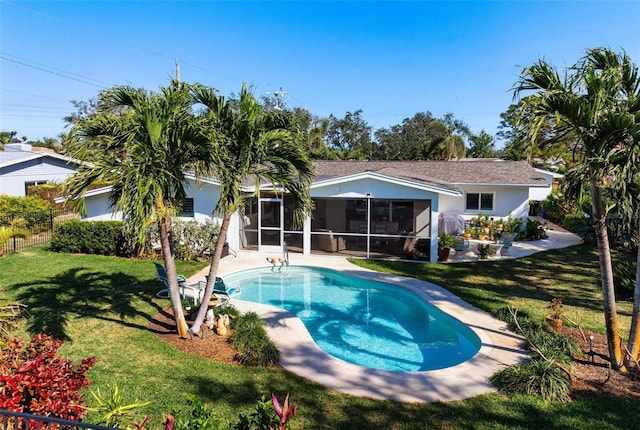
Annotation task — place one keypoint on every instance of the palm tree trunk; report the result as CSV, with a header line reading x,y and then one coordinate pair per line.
x,y
164,226
213,271
634,335
606,275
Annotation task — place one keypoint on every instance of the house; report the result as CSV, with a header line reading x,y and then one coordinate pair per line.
x,y
21,167
365,208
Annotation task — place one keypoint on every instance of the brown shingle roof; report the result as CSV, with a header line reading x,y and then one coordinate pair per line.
x,y
440,173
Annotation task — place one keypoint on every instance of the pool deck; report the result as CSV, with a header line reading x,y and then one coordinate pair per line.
x,y
300,355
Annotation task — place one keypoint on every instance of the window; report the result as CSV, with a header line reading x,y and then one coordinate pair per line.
x,y
187,208
29,186
479,202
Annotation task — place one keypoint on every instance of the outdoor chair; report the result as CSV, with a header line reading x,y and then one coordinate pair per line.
x,y
196,289
460,244
328,243
506,240
221,291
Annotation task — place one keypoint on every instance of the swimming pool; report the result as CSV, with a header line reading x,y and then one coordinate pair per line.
x,y
371,324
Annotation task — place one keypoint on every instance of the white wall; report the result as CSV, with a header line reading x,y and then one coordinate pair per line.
x,y
43,169
376,188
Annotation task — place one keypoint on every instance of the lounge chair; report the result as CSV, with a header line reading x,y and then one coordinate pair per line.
x,y
182,284
221,291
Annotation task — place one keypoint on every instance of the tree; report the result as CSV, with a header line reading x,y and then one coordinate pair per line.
x,y
423,137
351,135
246,144
482,146
143,143
598,102
514,130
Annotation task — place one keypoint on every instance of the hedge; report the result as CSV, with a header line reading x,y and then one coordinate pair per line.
x,y
90,237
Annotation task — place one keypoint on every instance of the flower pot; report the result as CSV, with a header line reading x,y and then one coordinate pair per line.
x,y
555,323
467,235
443,254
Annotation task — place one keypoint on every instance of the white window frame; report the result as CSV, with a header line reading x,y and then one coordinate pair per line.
x,y
479,207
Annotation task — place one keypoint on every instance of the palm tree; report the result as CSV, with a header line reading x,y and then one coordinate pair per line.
x,y
15,229
247,144
597,101
143,143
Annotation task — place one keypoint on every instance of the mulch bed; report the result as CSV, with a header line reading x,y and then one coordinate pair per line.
x,y
593,378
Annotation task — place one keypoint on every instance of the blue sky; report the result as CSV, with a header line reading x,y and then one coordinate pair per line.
x,y
390,59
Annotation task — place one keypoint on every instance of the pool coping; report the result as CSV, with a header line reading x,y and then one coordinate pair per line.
x,y
300,355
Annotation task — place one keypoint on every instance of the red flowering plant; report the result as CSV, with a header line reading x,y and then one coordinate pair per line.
x,y
34,380
285,413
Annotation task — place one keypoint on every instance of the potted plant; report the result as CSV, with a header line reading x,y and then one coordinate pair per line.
x,y
445,243
555,314
485,250
467,233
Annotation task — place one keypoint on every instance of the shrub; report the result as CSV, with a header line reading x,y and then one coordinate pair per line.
x,y
34,380
192,239
535,230
90,237
543,379
624,275
35,211
196,416
252,343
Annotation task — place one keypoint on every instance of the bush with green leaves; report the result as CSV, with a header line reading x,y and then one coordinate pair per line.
x,y
545,375
624,275
535,230
538,378
91,237
196,415
252,343
32,209
192,239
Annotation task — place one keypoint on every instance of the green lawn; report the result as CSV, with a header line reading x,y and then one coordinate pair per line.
x,y
101,305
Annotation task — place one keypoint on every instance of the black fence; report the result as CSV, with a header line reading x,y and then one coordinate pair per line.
x,y
20,421
39,224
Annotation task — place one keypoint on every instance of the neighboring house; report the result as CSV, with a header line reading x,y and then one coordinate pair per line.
x,y
21,167
552,178
366,208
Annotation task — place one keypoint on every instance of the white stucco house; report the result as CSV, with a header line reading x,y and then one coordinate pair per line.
x,y
366,208
21,167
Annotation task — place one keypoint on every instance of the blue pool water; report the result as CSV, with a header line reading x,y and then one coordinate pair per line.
x,y
367,323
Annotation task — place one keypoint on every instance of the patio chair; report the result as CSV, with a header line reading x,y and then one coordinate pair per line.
x,y
221,291
460,244
506,240
196,289
328,243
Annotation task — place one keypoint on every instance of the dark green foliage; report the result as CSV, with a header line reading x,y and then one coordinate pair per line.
x,y
624,275
535,230
252,343
90,237
512,225
543,379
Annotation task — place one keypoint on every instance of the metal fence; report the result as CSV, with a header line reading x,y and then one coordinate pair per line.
x,y
20,421
39,224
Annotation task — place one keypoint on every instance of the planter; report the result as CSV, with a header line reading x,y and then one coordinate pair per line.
x,y
443,254
467,235
555,323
